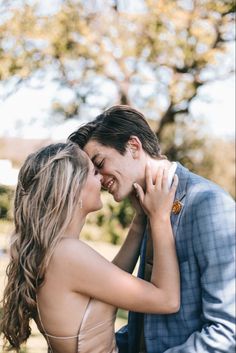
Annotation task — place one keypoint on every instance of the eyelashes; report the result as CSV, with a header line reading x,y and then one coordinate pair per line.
x,y
100,164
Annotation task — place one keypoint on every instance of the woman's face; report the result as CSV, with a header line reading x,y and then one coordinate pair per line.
x,y
91,191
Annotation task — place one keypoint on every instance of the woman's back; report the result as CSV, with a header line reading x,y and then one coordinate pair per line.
x,y
72,322
95,334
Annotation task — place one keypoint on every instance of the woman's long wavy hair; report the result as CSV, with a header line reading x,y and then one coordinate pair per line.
x,y
47,193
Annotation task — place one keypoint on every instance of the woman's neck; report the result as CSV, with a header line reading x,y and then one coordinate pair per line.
x,y
74,228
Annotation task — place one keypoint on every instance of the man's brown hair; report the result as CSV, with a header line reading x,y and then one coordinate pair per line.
x,y
114,127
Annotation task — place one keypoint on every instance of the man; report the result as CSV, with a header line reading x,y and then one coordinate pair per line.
x,y
120,143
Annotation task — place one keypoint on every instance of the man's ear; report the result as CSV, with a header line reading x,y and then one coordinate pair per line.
x,y
134,146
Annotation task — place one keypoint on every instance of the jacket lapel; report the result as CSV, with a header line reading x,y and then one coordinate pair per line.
x,y
183,175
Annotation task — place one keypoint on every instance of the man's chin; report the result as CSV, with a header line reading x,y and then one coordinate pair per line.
x,y
118,197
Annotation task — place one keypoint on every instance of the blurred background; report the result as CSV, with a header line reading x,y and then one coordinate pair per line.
x,y
62,62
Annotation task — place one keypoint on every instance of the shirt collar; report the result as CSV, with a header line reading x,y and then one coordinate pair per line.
x,y
171,173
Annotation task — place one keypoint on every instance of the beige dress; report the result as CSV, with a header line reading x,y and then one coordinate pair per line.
x,y
96,333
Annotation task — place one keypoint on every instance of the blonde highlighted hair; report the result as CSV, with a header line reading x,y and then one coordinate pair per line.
x,y
48,189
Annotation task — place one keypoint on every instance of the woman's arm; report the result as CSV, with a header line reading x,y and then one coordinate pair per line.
x,y
89,273
165,271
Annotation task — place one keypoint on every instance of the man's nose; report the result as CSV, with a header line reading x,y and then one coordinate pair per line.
x,y
100,177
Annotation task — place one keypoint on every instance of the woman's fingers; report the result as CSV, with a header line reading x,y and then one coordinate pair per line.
x,y
160,181
159,177
139,192
148,176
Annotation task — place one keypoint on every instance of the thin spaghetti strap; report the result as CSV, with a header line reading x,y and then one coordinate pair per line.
x,y
41,323
58,337
86,307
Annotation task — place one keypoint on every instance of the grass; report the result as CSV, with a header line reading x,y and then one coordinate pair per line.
x,y
36,343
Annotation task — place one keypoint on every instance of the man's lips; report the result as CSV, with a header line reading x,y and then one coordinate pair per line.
x,y
108,185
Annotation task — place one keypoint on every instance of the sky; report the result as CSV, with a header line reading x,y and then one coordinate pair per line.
x,y
26,113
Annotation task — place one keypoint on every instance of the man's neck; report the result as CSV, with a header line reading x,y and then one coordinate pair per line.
x,y
156,163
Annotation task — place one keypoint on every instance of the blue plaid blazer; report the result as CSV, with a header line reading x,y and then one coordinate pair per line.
x,y
204,231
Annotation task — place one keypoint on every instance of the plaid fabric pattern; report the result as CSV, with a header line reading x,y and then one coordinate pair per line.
x,y
205,240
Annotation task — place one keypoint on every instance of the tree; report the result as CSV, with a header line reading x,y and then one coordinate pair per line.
x,y
155,59
190,41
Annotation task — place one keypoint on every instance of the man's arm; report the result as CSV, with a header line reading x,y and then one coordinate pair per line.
x,y
126,333
214,248
122,339
128,255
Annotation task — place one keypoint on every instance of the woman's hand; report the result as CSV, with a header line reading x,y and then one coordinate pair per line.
x,y
158,199
136,204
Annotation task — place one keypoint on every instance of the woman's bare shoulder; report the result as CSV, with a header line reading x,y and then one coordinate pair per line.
x,y
73,249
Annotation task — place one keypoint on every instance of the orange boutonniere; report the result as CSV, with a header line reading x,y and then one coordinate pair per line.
x,y
177,207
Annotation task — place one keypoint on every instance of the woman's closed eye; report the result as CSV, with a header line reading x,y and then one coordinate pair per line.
x,y
100,164
95,171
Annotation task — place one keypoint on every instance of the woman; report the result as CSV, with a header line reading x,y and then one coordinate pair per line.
x,y
66,287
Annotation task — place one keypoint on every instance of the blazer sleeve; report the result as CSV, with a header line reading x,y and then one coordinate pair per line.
x,y
122,339
214,249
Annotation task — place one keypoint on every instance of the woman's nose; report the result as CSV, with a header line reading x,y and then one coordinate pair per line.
x,y
100,177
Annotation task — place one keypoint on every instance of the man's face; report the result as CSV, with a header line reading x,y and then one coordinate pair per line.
x,y
119,171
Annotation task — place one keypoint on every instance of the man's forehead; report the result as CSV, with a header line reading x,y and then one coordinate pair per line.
x,y
94,156
94,149
90,151
90,147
